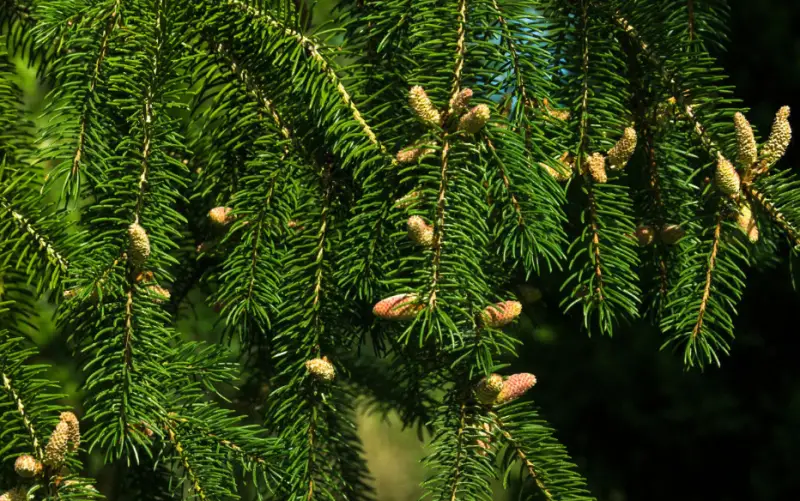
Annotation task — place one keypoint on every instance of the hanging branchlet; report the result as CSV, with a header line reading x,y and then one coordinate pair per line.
x,y
726,177
419,231
746,148
423,107
621,152
139,246
474,120
779,138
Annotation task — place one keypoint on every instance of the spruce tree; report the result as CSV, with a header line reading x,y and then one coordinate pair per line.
x,y
382,180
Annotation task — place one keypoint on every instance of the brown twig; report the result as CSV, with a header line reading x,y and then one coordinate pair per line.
x,y
712,262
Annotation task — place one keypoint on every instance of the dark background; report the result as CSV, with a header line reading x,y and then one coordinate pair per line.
x,y
639,425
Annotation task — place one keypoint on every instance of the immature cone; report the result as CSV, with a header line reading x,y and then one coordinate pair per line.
x,y
620,153
15,494
422,105
158,293
74,430
407,200
220,216
459,102
321,369
515,386
139,248
398,307
726,177
779,137
747,222
474,120
420,232
56,449
644,235
746,148
27,466
488,388
596,165
412,154
671,234
500,314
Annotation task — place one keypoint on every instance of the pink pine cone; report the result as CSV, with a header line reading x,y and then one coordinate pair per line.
x,y
515,386
397,307
501,314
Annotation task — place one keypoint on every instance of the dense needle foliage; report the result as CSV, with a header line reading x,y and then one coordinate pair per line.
x,y
381,181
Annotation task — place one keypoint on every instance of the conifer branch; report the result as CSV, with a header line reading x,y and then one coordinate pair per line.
x,y
655,188
438,233
774,213
712,262
459,451
185,459
506,183
529,465
512,49
311,47
24,224
26,420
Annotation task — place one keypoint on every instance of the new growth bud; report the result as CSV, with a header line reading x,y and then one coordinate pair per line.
x,y
488,388
420,232
139,247
620,153
474,120
501,314
321,369
423,107
398,307
746,149
726,177
779,138
515,386
27,466
596,165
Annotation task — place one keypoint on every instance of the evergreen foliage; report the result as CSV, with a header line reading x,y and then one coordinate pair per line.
x,y
428,153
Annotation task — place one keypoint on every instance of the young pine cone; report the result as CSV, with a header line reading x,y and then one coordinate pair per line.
x,y
321,369
501,314
620,153
420,232
422,105
644,235
779,138
27,466
56,449
220,216
746,148
15,494
139,248
474,120
412,154
515,386
74,430
671,234
726,177
398,307
460,101
596,165
747,223
488,388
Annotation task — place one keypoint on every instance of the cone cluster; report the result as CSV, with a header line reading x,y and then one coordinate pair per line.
x,y
620,153
726,177
501,314
220,216
747,223
459,102
65,437
15,494
398,307
412,154
423,107
495,390
475,119
596,166
28,466
321,369
779,138
139,247
420,232
488,388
